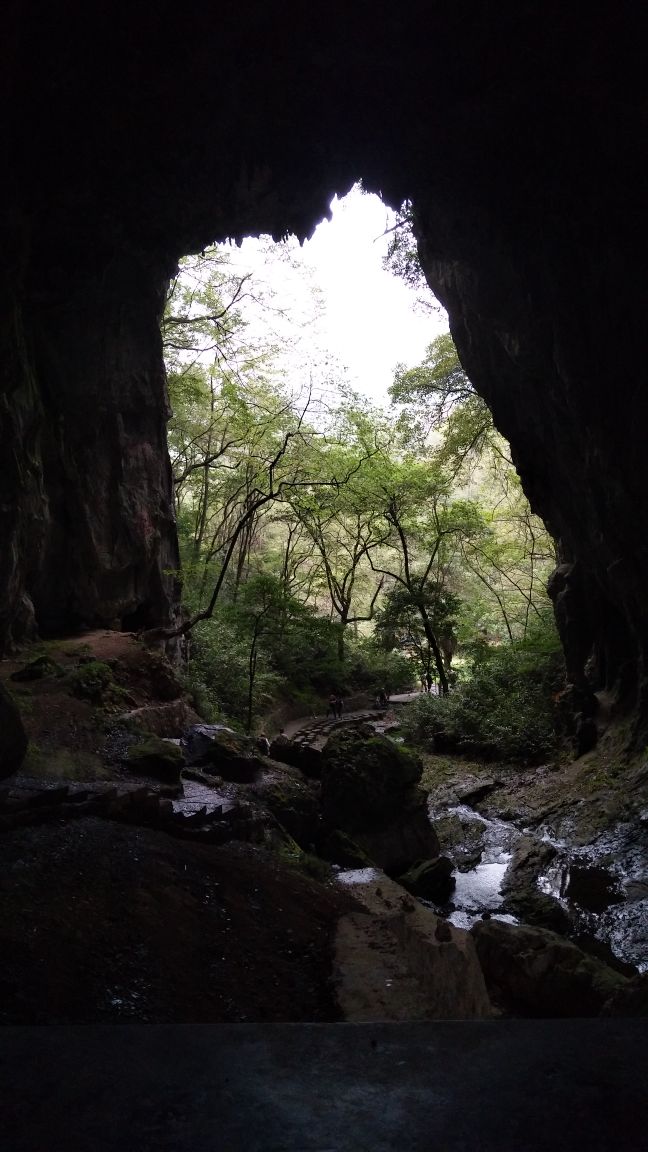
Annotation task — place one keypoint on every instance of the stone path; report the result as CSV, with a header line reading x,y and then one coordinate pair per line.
x,y
314,731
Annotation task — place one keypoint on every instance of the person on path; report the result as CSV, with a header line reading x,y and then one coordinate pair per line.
x,y
332,706
339,707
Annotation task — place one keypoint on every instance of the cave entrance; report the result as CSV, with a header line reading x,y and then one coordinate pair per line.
x,y
339,487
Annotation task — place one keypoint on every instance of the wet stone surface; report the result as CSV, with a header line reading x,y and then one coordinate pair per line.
x,y
605,888
602,887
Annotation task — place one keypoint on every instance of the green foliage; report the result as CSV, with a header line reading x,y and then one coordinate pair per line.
x,y
92,681
399,624
334,546
504,711
370,668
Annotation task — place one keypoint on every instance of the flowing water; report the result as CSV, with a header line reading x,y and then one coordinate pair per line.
x,y
478,890
603,886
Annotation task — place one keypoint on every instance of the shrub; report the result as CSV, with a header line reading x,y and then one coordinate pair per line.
x,y
92,681
504,711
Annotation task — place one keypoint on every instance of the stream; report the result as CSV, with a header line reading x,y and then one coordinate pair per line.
x,y
603,886
478,889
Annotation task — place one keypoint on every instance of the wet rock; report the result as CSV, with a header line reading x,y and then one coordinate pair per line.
x,y
522,896
473,793
158,758
13,738
534,972
463,840
592,887
430,879
42,668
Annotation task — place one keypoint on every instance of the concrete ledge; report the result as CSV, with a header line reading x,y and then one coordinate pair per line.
x,y
465,1086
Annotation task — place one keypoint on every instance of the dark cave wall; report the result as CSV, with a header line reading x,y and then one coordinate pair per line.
x,y
88,528
134,134
548,315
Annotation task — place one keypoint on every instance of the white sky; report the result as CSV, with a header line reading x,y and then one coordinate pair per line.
x,y
333,290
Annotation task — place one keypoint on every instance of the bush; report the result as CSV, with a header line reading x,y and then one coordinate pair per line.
x,y
371,669
505,711
92,681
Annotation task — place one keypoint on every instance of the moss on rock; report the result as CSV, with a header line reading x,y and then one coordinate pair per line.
x,y
365,779
158,758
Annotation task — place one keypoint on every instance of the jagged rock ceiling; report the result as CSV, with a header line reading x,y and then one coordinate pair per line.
x,y
135,133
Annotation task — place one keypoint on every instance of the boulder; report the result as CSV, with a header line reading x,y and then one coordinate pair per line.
x,y
522,897
462,839
218,749
430,879
629,999
369,792
406,838
165,685
534,972
171,719
293,801
298,754
13,738
340,849
366,780
395,960
158,758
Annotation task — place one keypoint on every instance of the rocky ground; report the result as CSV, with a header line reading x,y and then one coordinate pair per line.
x,y
131,892
102,919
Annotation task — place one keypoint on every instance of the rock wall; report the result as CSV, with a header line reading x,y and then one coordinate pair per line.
x,y
132,135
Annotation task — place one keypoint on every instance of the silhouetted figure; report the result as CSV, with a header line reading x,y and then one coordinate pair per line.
x,y
332,706
263,744
339,707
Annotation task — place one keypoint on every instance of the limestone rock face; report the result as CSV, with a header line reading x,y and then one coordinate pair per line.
x,y
528,179
13,739
396,960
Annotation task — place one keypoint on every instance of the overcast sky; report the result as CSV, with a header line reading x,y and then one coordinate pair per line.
x,y
368,319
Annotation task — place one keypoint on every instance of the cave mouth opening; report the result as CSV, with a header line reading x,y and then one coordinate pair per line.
x,y
339,346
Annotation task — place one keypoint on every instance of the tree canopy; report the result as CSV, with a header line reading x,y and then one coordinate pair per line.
x,y
327,543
